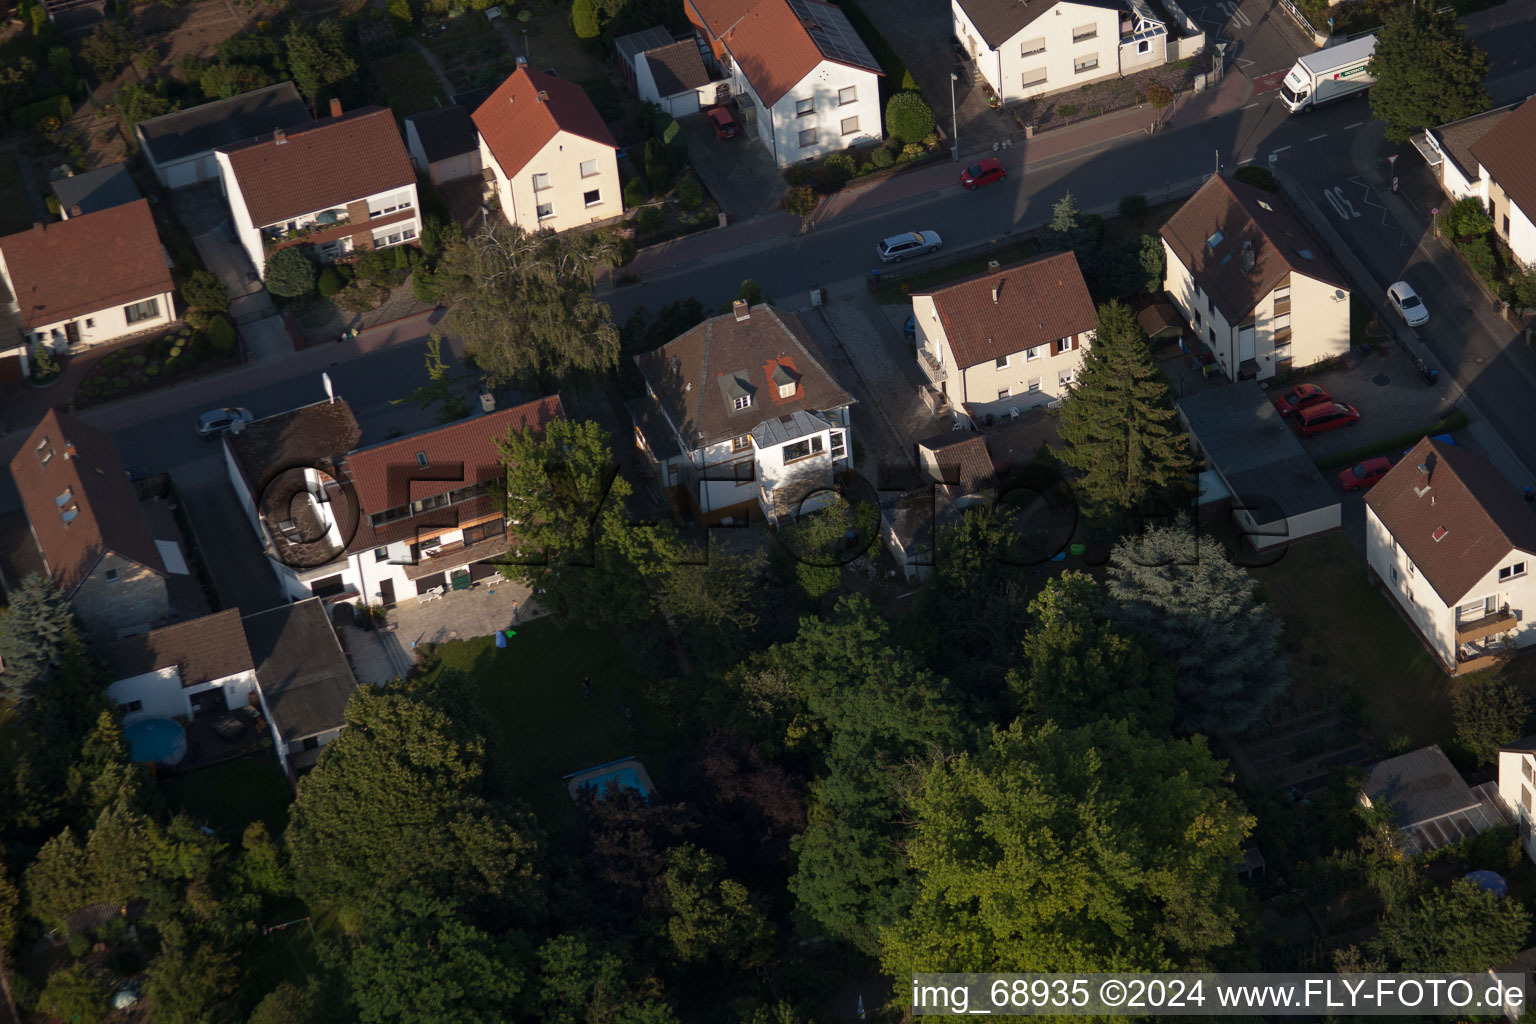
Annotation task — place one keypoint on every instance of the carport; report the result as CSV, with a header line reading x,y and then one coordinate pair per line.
x,y
1277,494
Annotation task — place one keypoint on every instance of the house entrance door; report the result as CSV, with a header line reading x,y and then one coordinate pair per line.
x,y
72,333
387,593
1245,344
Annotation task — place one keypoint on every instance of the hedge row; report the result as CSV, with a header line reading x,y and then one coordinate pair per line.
x,y
1394,445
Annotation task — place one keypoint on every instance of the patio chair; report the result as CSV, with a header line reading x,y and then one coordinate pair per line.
x,y
1013,412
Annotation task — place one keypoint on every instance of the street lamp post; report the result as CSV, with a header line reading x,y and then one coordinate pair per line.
x,y
954,121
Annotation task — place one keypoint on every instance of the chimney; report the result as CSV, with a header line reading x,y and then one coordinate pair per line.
x,y
279,137
335,107
522,62
69,450
487,402
993,266
543,96
75,211
1422,488
742,311
1248,257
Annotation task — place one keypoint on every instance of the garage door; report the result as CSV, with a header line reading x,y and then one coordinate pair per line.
x,y
1245,343
182,174
207,168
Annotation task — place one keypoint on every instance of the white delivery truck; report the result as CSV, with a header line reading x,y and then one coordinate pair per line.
x,y
1327,75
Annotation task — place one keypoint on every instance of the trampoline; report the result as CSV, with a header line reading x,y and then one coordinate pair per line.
x,y
626,772
156,739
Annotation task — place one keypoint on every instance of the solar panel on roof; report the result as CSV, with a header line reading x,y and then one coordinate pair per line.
x,y
832,33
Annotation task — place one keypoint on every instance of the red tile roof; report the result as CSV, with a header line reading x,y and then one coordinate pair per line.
x,y
1241,213
64,458
1509,154
383,475
719,15
778,42
965,465
201,650
317,166
1481,514
516,123
1038,301
86,264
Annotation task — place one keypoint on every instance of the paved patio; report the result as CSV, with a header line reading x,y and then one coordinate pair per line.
x,y
482,610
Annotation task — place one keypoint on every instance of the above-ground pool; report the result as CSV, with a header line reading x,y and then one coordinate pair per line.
x,y
156,739
626,772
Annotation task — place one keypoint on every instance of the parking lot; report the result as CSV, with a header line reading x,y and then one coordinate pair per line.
x,y
1389,393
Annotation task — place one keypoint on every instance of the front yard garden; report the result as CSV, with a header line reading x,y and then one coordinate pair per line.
x,y
1157,86
533,689
178,353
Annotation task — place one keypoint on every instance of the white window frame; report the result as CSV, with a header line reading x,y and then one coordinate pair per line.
x,y
1511,572
1003,394
1035,384
544,211
847,94
850,125
138,312
1065,378
1002,362
1031,354
805,107
592,198
787,390
743,402
1083,33
808,143
541,182
1081,65
1144,46
589,168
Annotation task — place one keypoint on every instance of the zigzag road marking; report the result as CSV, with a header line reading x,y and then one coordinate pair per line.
x,y
1386,222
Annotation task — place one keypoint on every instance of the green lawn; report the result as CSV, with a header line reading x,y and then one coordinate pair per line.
x,y
15,212
409,84
533,688
229,796
1353,640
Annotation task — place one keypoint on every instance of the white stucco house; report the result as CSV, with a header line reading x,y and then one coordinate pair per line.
x,y
1035,48
805,82
1253,282
742,419
1454,547
1013,338
191,668
85,281
1491,157
554,162
670,73
1517,789
378,524
339,185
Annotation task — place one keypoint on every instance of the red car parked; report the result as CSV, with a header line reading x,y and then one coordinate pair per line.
x,y
1363,475
984,173
723,123
1299,397
1325,416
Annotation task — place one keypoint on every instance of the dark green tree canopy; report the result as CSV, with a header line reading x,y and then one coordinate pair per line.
x,y
1427,73
523,303
1071,850
1462,928
1204,612
290,273
1120,427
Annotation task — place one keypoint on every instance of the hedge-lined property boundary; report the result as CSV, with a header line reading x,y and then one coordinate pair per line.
x,y
1457,420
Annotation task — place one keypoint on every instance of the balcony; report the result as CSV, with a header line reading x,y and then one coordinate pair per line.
x,y
932,369
1501,621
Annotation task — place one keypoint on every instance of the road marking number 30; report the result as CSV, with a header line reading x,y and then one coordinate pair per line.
x,y
1341,205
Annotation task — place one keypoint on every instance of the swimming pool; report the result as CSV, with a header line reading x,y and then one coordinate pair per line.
x,y
627,772
156,739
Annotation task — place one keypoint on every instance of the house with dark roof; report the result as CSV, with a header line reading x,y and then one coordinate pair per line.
x,y
93,537
201,666
742,418
1454,546
1429,800
339,185
554,161
671,73
993,345
383,523
443,144
1032,49
806,84
179,147
1253,282
87,280
90,191
304,680
1492,158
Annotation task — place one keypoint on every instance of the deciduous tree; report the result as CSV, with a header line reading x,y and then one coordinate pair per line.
x,y
290,273
711,919
524,307
1426,71
318,58
443,390
1071,850
74,994
1489,713
1205,614
1119,425
1460,929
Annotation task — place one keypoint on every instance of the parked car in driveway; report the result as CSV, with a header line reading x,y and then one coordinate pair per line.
x,y
1362,475
221,421
723,123
912,243
1325,416
1300,397
984,173
1408,304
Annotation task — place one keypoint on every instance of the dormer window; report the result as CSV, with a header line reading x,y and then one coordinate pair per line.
x,y
742,401
785,379
787,390
44,453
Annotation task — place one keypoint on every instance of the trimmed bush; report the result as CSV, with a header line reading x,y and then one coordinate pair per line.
x,y
690,193
151,371
839,168
650,218
908,118
221,335
1067,109
881,158
658,166
329,283
290,273
584,19
137,359
635,194
425,286
1258,177
1134,207
801,201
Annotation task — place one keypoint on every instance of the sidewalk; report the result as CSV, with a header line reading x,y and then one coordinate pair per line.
x,y
1234,91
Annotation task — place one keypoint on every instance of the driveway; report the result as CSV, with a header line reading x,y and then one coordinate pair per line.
x,y
1391,396
738,172
240,571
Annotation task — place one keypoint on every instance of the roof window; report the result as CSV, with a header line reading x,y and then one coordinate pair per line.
x,y
1439,534
1214,240
421,460
64,498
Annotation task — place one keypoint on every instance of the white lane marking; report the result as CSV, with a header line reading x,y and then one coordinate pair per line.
x,y
1245,160
1352,127
1250,106
1316,137
1282,149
